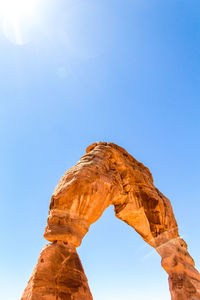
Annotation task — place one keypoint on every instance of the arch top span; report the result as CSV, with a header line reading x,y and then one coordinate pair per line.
x,y
107,174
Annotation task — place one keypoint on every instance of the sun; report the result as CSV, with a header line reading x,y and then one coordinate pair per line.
x,y
14,13
15,9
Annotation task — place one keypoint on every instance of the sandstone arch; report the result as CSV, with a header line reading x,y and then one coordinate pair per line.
x,y
106,175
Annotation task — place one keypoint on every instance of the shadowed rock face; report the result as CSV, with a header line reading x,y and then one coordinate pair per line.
x,y
107,175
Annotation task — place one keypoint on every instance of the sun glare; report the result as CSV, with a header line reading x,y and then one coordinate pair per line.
x,y
15,9
16,14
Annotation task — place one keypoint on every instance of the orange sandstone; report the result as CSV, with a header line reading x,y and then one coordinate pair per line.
x,y
107,174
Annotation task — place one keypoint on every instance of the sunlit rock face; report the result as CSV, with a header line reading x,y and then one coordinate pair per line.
x,y
106,175
58,275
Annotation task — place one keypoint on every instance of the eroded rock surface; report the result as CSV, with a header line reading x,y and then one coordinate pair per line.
x,y
58,275
109,175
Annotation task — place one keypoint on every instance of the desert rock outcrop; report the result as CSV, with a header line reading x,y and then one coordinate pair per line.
x,y
108,175
58,275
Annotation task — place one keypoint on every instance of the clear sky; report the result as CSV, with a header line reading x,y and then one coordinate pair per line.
x,y
73,72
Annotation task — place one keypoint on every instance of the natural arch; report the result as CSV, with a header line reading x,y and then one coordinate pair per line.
x,y
106,175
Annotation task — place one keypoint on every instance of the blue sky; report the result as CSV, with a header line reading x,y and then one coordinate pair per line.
x,y
127,72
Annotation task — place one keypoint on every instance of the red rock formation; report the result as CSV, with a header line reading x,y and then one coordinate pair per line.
x,y
107,175
58,275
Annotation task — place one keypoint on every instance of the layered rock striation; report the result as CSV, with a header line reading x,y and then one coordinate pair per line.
x,y
108,175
